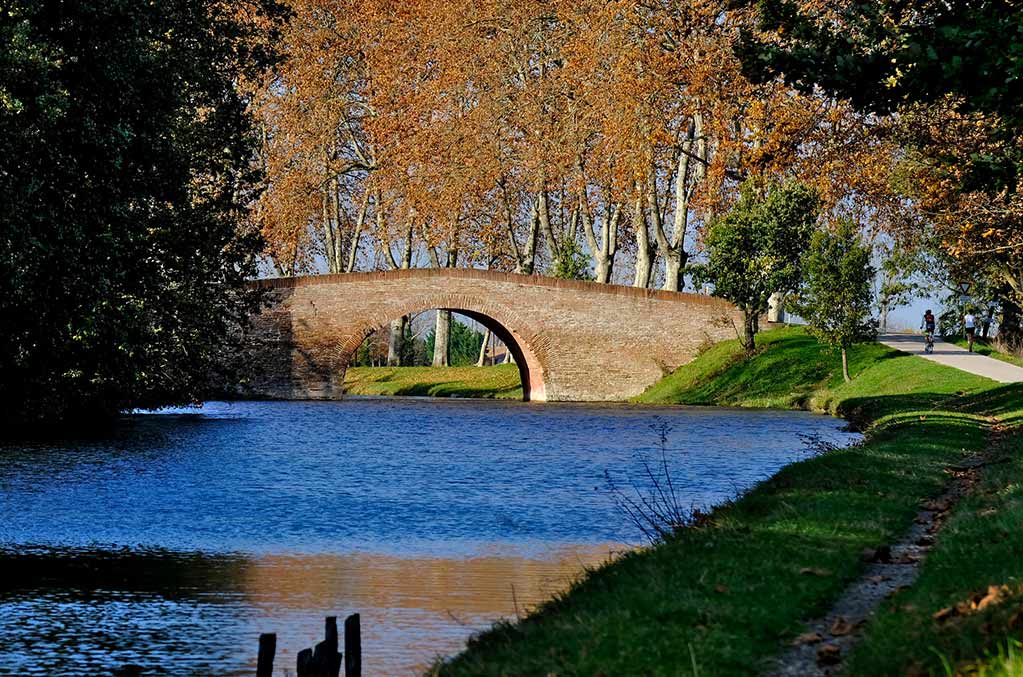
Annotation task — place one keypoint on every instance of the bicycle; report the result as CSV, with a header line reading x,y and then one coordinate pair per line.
x,y
929,324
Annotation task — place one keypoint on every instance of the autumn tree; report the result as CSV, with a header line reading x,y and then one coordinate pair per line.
x,y
316,153
529,135
944,68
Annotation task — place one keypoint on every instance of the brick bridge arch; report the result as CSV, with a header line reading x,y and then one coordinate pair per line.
x,y
573,341
525,344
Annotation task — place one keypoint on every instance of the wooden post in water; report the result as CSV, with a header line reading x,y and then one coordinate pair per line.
x,y
332,658
323,660
305,657
267,649
353,647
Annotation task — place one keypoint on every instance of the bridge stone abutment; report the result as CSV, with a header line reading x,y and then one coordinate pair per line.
x,y
573,341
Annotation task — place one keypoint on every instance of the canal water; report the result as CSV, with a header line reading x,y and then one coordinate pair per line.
x,y
174,540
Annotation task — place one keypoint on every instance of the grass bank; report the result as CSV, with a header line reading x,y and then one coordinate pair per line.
x,y
497,382
726,595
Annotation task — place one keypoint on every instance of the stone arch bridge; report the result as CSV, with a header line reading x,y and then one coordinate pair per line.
x,y
573,341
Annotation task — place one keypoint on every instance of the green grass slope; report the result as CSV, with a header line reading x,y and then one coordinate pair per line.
x,y
789,367
726,595
964,615
791,370
498,382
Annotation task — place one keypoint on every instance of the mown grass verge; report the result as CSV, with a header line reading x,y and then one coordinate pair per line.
x,y
964,615
498,382
726,595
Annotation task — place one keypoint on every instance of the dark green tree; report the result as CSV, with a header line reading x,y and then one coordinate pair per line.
x,y
835,299
755,250
125,167
572,263
463,345
886,55
881,55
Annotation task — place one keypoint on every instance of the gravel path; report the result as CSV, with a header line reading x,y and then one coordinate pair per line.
x,y
952,355
822,647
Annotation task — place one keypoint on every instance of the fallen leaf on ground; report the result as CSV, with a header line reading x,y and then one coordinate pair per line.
x,y
808,638
879,579
808,571
995,594
829,654
721,589
841,627
944,614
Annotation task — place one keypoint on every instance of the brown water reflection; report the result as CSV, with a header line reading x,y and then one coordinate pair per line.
x,y
89,612
412,609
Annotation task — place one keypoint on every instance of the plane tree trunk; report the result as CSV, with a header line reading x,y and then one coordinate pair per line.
x,y
441,339
482,361
396,337
644,251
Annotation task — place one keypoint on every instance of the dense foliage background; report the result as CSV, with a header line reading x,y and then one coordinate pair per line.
x,y
125,162
947,75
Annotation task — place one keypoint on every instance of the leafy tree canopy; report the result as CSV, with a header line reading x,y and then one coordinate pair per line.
x,y
754,251
836,298
881,55
571,262
125,162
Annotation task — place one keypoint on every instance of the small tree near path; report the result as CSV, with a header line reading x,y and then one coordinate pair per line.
x,y
755,250
836,296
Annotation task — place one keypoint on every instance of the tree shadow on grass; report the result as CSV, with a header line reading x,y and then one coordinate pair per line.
x,y
457,389
1004,403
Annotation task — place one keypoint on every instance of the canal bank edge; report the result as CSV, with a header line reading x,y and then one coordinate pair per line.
x,y
728,595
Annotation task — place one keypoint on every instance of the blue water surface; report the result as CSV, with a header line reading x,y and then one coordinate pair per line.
x,y
174,539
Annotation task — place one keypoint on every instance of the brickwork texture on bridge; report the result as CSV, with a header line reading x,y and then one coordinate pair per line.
x,y
573,341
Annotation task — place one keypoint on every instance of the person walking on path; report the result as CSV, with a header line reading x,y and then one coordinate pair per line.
x,y
971,327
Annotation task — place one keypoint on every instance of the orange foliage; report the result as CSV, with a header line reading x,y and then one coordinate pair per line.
x,y
471,131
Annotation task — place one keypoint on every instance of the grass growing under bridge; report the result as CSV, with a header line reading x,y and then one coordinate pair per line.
x,y
497,382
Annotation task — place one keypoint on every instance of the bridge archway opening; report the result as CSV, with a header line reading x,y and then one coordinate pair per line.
x,y
530,367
